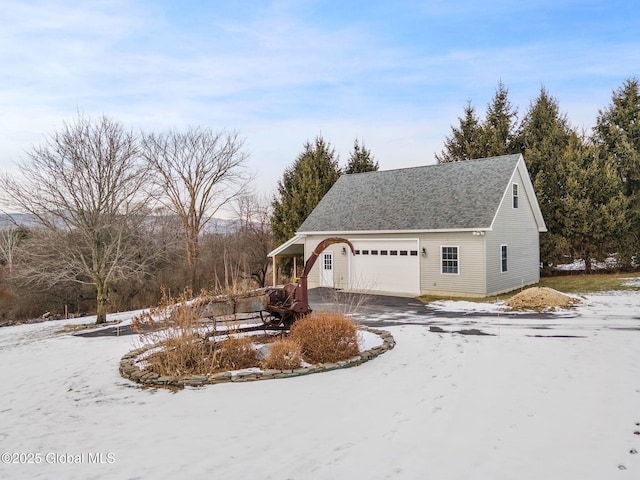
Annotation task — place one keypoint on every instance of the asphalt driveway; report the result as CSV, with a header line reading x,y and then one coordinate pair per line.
x,y
383,311
380,310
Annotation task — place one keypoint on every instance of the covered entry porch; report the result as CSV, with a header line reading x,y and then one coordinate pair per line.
x,y
293,248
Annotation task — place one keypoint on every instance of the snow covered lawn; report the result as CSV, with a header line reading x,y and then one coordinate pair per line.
x,y
549,398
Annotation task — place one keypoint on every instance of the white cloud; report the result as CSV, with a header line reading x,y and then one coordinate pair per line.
x,y
277,74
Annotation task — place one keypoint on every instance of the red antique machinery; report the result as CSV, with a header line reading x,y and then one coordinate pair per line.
x,y
283,305
291,302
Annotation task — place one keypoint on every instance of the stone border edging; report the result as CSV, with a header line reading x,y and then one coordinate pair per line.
x,y
129,369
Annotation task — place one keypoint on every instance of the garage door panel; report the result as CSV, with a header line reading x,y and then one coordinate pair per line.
x,y
385,265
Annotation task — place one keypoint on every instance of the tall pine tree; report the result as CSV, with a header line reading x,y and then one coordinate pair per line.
x,y
302,186
500,125
588,189
361,160
496,135
617,134
593,206
465,142
545,136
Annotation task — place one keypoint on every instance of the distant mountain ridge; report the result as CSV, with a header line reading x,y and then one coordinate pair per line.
x,y
216,225
8,220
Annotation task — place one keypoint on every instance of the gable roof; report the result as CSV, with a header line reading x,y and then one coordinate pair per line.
x,y
450,196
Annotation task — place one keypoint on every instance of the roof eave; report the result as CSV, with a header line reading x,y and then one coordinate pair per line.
x,y
388,232
281,250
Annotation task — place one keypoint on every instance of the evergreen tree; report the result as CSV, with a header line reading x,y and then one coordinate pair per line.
x,y
302,186
361,160
496,135
588,190
465,142
593,205
500,125
617,134
546,135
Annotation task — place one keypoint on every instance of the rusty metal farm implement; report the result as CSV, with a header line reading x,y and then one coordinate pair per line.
x,y
277,307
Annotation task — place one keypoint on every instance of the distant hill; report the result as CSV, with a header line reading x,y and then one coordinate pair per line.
x,y
222,225
216,225
10,220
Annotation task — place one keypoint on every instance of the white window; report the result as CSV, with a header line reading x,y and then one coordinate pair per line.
x,y
450,260
503,257
515,195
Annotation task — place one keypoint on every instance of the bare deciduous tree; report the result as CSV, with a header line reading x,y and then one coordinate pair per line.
x,y
255,234
198,172
84,189
9,240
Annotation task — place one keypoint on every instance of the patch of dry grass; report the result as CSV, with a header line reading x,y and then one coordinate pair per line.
x,y
236,353
577,284
189,346
184,355
592,283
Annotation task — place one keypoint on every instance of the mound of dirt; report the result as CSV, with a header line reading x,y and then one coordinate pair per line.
x,y
540,298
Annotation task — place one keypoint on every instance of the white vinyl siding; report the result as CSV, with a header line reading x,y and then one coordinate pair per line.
x,y
515,227
471,264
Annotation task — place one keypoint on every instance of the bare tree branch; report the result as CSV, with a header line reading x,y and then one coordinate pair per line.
x,y
9,240
254,236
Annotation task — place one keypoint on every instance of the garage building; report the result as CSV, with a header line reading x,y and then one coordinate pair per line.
x,y
466,228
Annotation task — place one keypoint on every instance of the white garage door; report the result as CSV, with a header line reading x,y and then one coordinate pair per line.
x,y
385,266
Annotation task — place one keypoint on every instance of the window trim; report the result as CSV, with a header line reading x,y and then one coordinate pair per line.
x,y
504,258
515,195
457,260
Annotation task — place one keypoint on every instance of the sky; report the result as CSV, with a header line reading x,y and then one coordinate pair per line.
x,y
395,75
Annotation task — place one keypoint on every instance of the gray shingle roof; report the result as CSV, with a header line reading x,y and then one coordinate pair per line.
x,y
460,195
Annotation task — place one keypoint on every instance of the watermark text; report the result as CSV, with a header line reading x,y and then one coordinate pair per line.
x,y
37,458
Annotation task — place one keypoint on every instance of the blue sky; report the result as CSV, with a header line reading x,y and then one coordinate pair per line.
x,y
395,74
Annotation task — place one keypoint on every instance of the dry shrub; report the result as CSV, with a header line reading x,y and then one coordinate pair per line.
x,y
175,326
284,354
180,356
326,337
236,353
6,298
184,356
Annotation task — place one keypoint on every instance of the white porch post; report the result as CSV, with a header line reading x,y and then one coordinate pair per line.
x,y
273,268
295,267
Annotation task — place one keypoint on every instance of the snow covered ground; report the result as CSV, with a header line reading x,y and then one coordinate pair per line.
x,y
555,397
